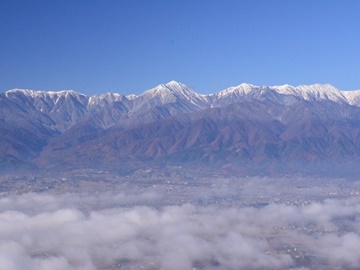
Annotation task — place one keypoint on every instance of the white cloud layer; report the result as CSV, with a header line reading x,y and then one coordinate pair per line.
x,y
39,231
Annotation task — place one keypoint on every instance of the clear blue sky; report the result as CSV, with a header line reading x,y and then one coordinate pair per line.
x,y
128,46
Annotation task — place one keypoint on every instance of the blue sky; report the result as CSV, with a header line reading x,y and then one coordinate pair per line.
x,y
131,46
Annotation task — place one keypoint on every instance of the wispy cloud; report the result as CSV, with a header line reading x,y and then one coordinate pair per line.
x,y
39,231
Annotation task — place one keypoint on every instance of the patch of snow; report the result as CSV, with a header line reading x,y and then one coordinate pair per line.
x,y
353,97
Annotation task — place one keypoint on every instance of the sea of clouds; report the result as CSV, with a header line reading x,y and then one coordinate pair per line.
x,y
122,231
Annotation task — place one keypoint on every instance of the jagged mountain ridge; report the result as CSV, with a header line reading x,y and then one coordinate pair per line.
x,y
257,126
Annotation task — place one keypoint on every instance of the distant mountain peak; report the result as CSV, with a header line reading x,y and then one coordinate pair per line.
x,y
321,92
174,83
240,90
318,87
172,90
37,93
107,97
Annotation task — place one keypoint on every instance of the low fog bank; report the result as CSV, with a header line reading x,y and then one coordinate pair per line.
x,y
91,231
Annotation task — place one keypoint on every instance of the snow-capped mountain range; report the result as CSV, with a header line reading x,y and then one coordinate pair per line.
x,y
246,126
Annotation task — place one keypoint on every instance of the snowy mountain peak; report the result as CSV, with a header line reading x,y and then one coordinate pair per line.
x,y
107,98
131,96
25,92
180,89
40,94
238,91
288,93
318,88
320,92
161,92
313,92
174,83
353,97
173,91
